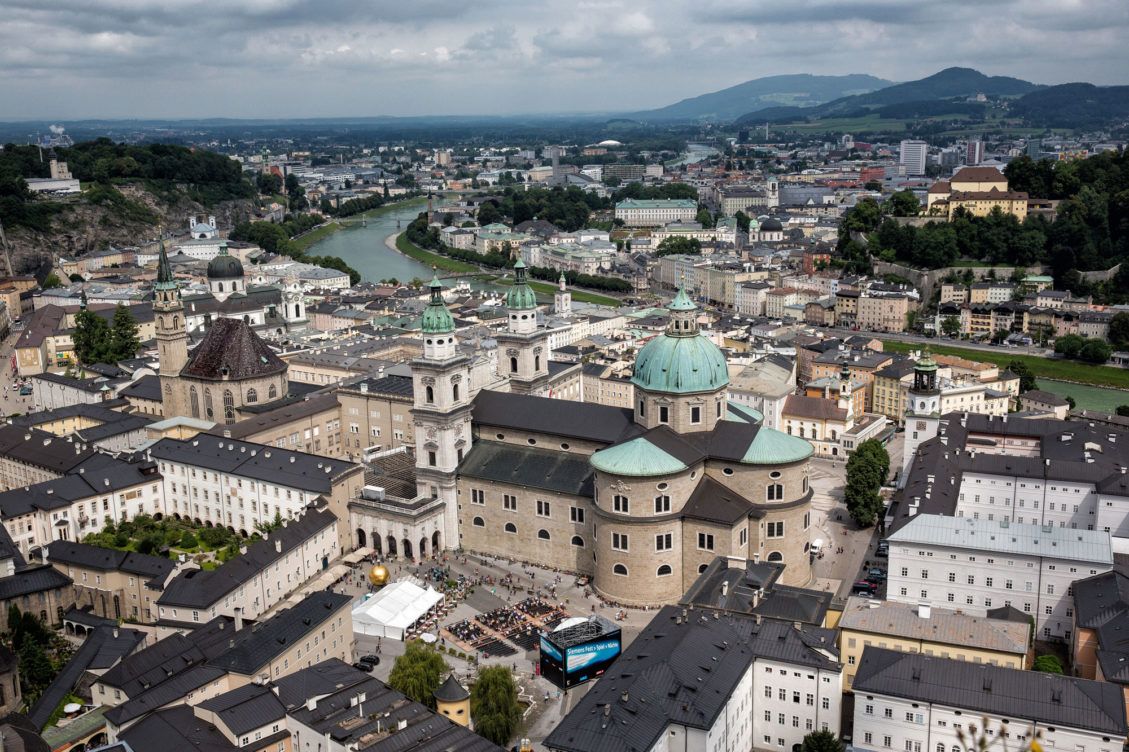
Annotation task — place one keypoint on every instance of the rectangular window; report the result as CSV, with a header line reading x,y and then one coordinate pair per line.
x,y
662,504
695,415
775,529
509,503
619,541
543,508
705,541
477,496
621,504
664,414
663,542
576,514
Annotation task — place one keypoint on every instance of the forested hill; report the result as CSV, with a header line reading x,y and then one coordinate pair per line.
x,y
128,191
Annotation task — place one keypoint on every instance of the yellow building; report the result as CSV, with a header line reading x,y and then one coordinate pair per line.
x,y
978,190
930,631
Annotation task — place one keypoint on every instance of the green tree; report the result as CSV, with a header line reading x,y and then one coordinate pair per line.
x,y
742,221
1070,402
1025,374
494,706
950,325
1119,330
35,670
189,540
1095,351
52,280
904,204
1069,345
418,673
124,342
488,214
268,183
822,741
704,218
678,245
91,338
867,469
1048,664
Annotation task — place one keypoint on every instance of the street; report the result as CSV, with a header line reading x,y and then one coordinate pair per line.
x,y
935,341
11,402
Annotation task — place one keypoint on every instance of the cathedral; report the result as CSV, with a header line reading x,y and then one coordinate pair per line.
x,y
638,499
231,367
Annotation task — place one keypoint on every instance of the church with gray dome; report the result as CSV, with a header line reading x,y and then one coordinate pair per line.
x,y
639,500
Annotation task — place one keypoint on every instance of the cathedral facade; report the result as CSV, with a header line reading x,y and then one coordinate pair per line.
x,y
639,500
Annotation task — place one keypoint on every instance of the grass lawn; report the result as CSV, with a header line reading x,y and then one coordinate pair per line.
x,y
1047,368
548,289
410,249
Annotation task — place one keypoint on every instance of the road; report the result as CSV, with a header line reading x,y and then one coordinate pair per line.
x,y
11,402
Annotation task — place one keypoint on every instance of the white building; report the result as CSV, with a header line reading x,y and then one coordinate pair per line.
x,y
978,565
655,212
920,703
912,156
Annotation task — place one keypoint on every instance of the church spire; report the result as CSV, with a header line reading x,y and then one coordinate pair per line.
x,y
165,278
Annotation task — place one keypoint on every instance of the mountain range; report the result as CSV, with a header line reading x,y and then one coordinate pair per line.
x,y
793,91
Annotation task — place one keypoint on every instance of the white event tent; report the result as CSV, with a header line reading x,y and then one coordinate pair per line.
x,y
395,608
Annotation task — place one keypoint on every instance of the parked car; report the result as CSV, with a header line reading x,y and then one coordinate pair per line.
x,y
364,666
876,574
883,550
25,391
373,659
864,587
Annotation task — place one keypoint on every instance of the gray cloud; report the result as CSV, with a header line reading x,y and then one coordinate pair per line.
x,y
302,58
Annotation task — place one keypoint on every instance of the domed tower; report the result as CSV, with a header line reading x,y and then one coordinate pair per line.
x,y
293,303
923,407
523,346
172,336
441,411
225,275
681,376
453,701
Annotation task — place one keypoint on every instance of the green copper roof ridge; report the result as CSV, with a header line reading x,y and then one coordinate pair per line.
x,y
637,457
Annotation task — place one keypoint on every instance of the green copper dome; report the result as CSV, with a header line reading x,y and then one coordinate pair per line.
x,y
636,458
436,318
520,297
772,447
681,361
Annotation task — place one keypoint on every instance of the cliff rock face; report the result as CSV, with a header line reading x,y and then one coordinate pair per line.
x,y
80,226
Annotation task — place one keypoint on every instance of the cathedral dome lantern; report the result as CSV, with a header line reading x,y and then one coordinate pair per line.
x,y
437,325
225,274
521,302
681,366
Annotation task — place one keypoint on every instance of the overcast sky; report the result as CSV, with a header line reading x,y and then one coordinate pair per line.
x,y
321,58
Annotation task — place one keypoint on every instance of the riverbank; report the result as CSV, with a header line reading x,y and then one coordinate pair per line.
x,y
400,243
323,231
1047,368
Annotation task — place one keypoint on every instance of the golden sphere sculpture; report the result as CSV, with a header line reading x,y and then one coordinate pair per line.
x,y
378,575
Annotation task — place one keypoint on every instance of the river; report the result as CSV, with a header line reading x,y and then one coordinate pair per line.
x,y
694,153
364,249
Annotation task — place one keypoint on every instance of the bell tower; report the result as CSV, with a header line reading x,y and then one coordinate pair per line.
x,y
441,411
172,336
562,299
523,348
923,407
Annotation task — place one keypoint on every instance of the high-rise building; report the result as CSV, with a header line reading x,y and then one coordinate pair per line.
x,y
975,152
912,157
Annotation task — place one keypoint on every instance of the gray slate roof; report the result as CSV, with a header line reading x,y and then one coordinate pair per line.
x,y
232,350
1051,699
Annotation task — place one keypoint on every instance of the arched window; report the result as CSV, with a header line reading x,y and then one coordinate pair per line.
x,y
543,534
194,399
663,571
776,556
455,392
513,365
228,406
578,541
702,568
477,522
252,395
219,286
430,395
619,569
272,393
209,413
536,362
774,492
834,435
511,528
176,322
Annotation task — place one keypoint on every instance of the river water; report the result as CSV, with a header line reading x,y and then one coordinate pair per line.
x,y
364,249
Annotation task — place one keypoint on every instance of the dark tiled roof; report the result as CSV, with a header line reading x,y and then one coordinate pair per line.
x,y
232,350
146,387
577,420
552,470
32,580
176,729
255,648
163,694
280,415
245,709
41,449
982,688
813,408
713,502
107,559
451,691
681,672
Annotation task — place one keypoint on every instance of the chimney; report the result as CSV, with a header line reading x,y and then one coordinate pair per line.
x,y
277,546
115,633
238,618
311,703
725,588
924,610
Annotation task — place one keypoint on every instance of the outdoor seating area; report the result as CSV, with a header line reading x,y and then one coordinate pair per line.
x,y
495,633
